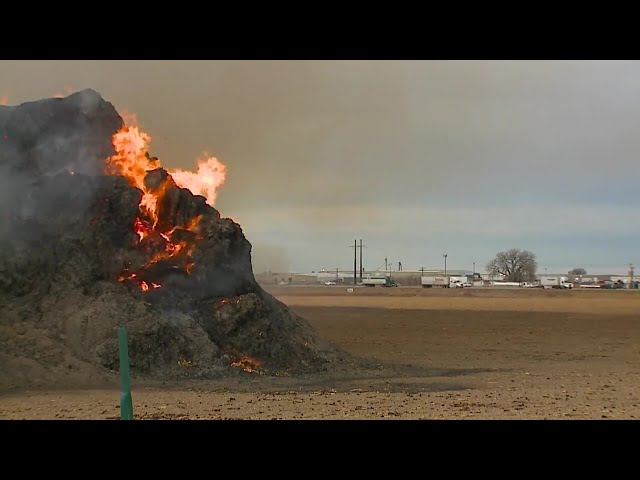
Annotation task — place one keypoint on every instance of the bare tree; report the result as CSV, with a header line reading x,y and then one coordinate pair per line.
x,y
575,273
516,265
578,271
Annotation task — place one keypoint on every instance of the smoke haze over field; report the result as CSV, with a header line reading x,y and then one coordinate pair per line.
x,y
418,158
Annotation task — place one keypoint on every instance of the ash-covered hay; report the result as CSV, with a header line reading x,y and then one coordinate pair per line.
x,y
68,236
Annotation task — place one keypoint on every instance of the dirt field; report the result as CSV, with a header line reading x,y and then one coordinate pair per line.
x,y
472,353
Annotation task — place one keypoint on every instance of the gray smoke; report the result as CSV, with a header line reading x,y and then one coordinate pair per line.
x,y
43,144
269,258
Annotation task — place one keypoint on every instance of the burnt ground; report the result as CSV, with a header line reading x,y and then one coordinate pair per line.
x,y
536,355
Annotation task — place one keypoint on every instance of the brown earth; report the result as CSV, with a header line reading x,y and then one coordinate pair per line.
x,y
473,353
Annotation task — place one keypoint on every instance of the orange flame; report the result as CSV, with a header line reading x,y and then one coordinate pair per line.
x,y
170,250
206,181
128,276
149,203
141,229
4,100
144,286
132,161
192,226
247,364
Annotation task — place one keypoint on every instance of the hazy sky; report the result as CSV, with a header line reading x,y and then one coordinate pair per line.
x,y
418,158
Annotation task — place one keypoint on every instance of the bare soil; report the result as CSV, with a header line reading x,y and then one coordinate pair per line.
x,y
441,354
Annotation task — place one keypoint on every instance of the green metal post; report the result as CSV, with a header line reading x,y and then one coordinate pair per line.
x,y
126,402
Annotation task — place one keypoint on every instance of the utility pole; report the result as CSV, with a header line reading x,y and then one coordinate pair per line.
x,y
385,264
631,268
355,261
474,271
337,276
422,271
361,260
355,247
445,263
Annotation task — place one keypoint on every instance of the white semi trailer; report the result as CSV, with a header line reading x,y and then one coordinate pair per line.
x,y
443,281
374,281
555,282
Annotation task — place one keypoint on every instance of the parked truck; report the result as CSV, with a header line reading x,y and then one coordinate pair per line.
x,y
379,281
555,282
443,281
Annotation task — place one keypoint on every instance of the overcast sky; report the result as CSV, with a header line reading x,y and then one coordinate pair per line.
x,y
417,158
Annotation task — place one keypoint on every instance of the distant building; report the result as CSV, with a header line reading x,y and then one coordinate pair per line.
x,y
404,277
412,277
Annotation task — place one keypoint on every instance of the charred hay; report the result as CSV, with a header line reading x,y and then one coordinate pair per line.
x,y
67,236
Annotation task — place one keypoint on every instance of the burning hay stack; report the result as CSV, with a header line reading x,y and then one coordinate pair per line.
x,y
95,234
